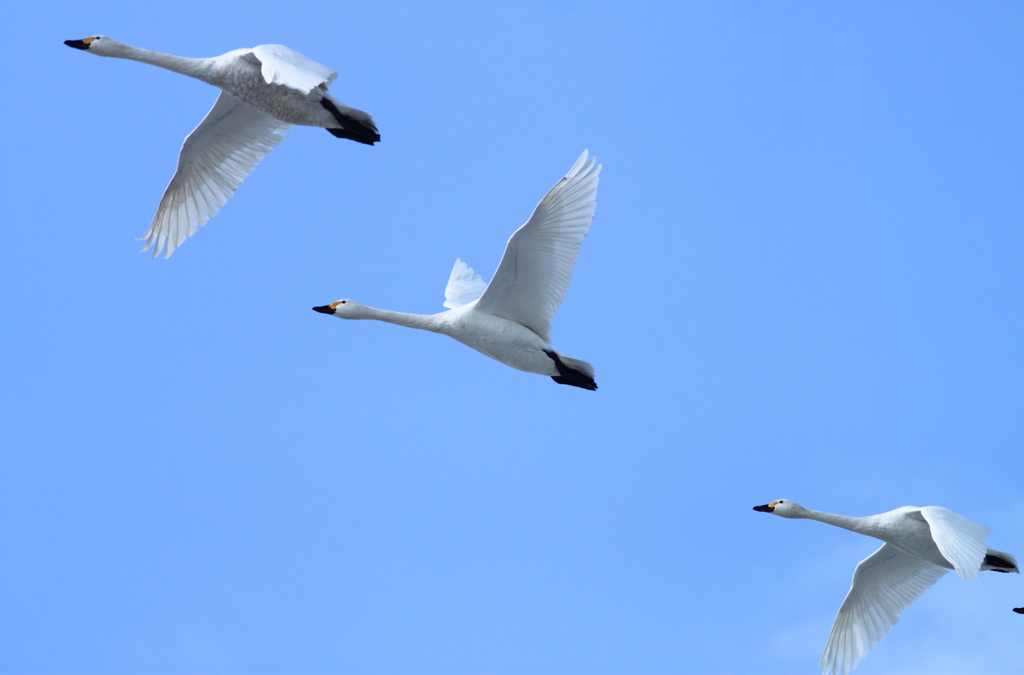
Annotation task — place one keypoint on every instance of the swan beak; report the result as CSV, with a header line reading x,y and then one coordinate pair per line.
x,y
326,309
765,509
1019,610
79,44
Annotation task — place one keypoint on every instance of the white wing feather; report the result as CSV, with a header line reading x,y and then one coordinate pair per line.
x,y
535,271
884,584
961,541
214,160
463,286
280,65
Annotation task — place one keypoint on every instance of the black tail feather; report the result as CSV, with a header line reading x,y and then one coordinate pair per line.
x,y
351,128
571,376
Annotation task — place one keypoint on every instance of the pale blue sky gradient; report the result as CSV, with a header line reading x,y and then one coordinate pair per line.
x,y
804,280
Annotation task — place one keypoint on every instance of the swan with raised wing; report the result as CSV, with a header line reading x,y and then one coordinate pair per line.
x,y
264,91
921,545
509,319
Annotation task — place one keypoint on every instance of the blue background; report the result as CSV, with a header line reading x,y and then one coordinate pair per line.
x,y
803,281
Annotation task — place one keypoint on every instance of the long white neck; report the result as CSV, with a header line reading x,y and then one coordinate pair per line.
x,y
201,69
422,321
853,523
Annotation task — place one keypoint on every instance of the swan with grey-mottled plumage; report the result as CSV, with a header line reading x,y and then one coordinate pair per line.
x,y
264,91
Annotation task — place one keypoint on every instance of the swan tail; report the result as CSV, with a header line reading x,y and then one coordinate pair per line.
x,y
997,561
573,372
355,124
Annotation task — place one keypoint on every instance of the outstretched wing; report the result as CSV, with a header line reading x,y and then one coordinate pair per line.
x,y
535,272
214,160
961,541
884,584
280,65
463,286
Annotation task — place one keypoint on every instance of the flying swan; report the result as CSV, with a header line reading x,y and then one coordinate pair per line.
x,y
264,91
921,545
509,319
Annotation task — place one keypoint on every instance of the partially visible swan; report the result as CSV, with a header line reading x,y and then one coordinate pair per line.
x,y
921,545
509,319
264,91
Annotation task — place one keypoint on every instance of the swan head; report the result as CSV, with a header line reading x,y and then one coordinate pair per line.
x,y
782,507
344,309
100,45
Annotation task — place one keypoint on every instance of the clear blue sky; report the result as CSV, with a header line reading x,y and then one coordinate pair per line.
x,y
804,280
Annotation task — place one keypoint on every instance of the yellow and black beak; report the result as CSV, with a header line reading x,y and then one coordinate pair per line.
x,y
326,309
767,508
80,44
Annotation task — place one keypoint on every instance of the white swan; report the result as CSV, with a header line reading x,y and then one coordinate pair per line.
x,y
921,545
264,91
510,318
